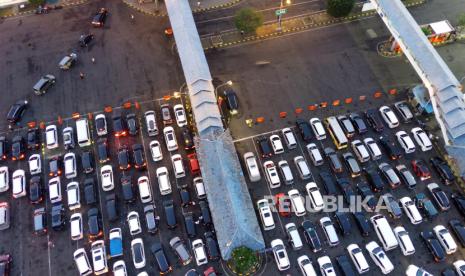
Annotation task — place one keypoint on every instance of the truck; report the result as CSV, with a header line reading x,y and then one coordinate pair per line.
x,y
116,242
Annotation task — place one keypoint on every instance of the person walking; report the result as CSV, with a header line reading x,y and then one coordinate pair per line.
x,y
93,60
81,75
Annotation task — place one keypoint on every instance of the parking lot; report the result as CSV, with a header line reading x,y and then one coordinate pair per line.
x,y
52,254
261,189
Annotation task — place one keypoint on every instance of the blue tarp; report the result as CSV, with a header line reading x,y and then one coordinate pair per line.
x,y
421,95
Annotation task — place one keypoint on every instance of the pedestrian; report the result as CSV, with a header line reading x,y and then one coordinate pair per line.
x,y
81,75
132,17
242,32
93,60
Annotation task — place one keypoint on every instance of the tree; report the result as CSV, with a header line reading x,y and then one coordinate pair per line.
x,y
340,8
462,20
243,260
248,20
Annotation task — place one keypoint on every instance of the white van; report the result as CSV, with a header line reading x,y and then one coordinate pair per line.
x,y
285,171
315,154
151,123
293,236
72,191
252,167
82,132
163,181
298,205
178,166
70,165
54,189
289,138
329,230
82,262
360,151
384,232
404,241
302,167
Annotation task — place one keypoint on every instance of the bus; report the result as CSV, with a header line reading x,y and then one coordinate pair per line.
x,y
335,130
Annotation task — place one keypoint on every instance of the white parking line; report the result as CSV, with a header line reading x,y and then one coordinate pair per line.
x,y
45,188
260,134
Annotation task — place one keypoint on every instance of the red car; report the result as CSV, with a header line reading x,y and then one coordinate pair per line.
x,y
210,271
420,169
283,204
193,164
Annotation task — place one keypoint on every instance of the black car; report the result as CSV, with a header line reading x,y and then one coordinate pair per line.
x,y
123,158
16,111
374,180
304,129
119,126
328,183
348,193
150,221
345,265
343,221
448,272
459,230
17,148
212,246
393,151
206,216
373,120
343,183
111,207
95,224
163,265
189,223
55,166
89,191
311,236
434,246
85,39
102,150
392,204
367,195
33,139
58,217
358,123
139,156
128,190
133,126
442,201
265,147
426,206
185,197
231,101
362,223
3,148
444,171
99,18
459,201
36,193
87,162
168,206
187,138
40,221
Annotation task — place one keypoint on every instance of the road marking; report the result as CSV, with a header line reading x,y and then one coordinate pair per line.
x,y
260,134
45,195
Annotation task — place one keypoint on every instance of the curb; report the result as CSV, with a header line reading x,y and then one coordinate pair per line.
x,y
33,11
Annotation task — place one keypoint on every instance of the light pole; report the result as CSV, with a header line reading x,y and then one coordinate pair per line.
x,y
229,82
280,12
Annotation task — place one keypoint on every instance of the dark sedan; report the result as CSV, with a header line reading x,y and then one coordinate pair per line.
x,y
304,129
139,156
33,139
444,171
434,246
17,148
16,111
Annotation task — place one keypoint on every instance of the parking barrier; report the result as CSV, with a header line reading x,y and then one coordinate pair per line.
x,y
377,94
336,102
348,100
166,97
31,124
60,120
42,125
323,104
393,91
137,105
127,105
362,98
312,107
260,120
75,116
282,114
298,110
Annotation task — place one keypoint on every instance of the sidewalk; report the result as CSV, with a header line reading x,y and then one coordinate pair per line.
x,y
158,8
297,24
30,9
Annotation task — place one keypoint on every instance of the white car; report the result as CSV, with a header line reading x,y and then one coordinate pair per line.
x,y
51,137
180,115
119,268
170,138
252,167
72,191
411,210
272,174
163,178
413,270
316,199
373,148
326,267
107,178
379,257
445,239
155,150
329,230
19,183
99,257
289,138
276,144
359,260
69,161
145,191
318,128
151,123
4,179
404,241
405,141
138,253
101,125
280,255
266,216
75,223
297,202
35,164
199,252
360,151
315,154
389,116
82,262
306,266
422,139
460,267
134,223
54,190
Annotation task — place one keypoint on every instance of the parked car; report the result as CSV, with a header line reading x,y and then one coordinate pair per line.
x,y
311,236
444,171
373,120
374,179
389,116
265,147
326,267
379,257
405,243
435,248
404,111
16,111
304,129
159,255
445,239
333,159
367,196
181,251
362,223
442,201
390,147
231,101
101,125
425,205
411,210
390,175
406,176
166,114
280,255
459,201
346,125
358,123
102,150
351,164
100,18
18,148
138,253
33,139
458,228
392,205
420,169
44,84
94,222
422,139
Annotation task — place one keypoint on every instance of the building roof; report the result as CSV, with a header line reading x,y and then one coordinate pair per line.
x,y
441,27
